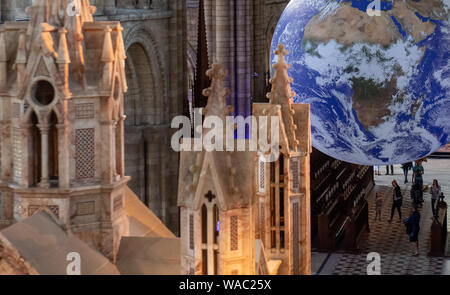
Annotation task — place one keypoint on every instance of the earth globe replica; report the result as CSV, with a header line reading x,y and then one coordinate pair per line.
x,y
376,74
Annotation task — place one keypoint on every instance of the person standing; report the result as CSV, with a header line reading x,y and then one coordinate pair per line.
x,y
435,191
418,171
406,167
387,169
413,228
378,206
397,201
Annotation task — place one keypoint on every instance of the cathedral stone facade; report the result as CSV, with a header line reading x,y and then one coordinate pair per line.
x,y
242,214
239,34
154,38
62,85
62,122
160,41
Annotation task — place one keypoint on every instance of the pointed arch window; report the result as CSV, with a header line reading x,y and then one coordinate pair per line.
x,y
210,235
277,204
53,161
34,152
43,159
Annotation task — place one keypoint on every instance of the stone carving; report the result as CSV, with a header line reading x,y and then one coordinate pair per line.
x,y
16,110
17,153
191,232
234,233
84,111
282,96
226,176
32,209
85,208
85,153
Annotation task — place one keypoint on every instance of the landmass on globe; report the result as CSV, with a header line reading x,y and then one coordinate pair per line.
x,y
378,85
371,99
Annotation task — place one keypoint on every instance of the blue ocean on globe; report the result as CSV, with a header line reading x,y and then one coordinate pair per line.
x,y
378,85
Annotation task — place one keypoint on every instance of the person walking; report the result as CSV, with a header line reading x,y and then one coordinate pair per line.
x,y
406,167
378,206
418,171
435,191
397,201
413,228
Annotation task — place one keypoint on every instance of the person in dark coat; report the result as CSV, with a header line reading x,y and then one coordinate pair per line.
x,y
387,169
397,201
406,167
418,171
413,228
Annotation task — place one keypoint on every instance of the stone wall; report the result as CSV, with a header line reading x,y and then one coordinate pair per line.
x,y
160,37
239,33
155,37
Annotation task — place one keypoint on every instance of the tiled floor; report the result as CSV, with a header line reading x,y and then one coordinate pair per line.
x,y
434,169
391,242
390,239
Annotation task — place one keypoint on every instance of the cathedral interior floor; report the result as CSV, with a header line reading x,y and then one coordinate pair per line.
x,y
390,239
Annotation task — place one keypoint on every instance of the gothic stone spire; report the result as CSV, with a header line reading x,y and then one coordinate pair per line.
x,y
217,93
282,95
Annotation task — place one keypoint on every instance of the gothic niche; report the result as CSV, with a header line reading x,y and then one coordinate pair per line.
x,y
43,148
53,164
210,235
34,152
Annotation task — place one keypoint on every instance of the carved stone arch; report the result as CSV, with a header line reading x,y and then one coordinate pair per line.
x,y
132,99
58,115
141,36
29,94
27,116
144,95
268,33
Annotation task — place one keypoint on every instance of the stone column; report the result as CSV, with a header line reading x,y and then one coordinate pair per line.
x,y
114,151
305,217
3,60
223,32
63,159
210,235
8,10
120,147
106,151
242,58
5,152
44,129
26,159
210,29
